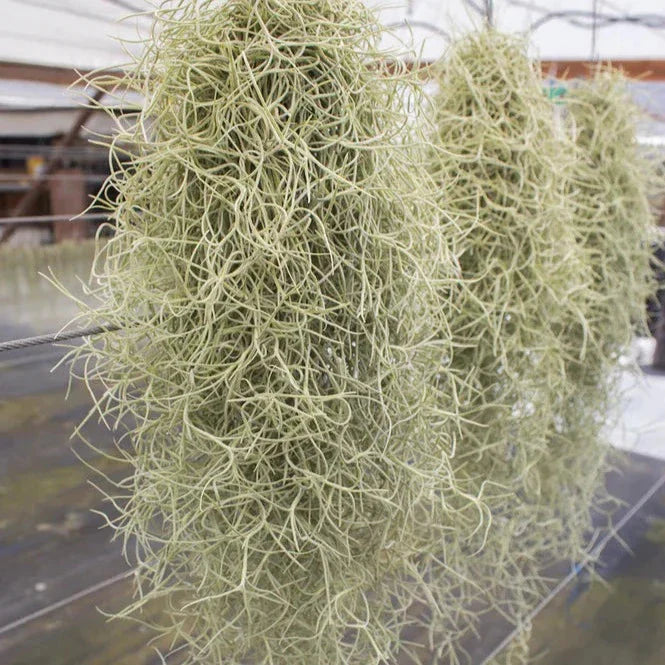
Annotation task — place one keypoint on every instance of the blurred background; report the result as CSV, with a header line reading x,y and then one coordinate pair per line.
x,y
56,565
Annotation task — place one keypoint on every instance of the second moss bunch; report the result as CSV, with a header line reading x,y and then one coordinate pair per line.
x,y
552,236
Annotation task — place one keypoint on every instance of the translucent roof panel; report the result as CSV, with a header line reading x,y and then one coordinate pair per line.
x,y
72,33
559,29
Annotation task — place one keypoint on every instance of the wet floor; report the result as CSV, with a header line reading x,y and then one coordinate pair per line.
x,y
57,565
52,544
52,548
617,618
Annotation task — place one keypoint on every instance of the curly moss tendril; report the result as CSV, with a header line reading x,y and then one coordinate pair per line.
x,y
525,280
291,490
609,182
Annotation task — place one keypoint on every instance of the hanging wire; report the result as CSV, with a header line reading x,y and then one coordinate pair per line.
x,y
594,31
129,6
486,9
22,150
65,601
587,19
27,178
593,555
53,338
82,13
47,219
32,148
408,23
489,12
475,6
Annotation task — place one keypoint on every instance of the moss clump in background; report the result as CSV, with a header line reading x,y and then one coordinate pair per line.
x,y
611,181
524,279
290,488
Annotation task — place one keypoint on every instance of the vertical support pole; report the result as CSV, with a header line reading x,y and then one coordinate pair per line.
x,y
68,197
659,334
658,329
30,198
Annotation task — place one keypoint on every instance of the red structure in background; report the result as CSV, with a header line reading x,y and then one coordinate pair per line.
x,y
643,70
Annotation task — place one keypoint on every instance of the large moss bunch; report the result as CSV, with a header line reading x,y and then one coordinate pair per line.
x,y
290,488
610,181
503,179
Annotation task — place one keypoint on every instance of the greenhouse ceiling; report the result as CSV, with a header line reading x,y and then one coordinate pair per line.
x,y
71,34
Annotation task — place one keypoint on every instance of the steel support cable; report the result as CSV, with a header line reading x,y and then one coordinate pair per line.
x,y
56,7
137,11
66,601
582,18
32,148
24,177
594,32
489,12
54,338
46,219
594,554
476,7
425,25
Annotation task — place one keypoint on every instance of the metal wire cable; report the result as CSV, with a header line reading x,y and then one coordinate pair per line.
x,y
52,338
425,25
38,148
489,12
27,178
127,5
590,20
595,552
65,601
476,7
594,32
77,157
46,219
68,10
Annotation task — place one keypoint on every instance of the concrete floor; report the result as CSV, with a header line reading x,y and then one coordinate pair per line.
x,y
618,616
641,415
53,554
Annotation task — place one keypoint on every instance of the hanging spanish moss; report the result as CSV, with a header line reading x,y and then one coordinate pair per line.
x,y
503,180
290,488
611,182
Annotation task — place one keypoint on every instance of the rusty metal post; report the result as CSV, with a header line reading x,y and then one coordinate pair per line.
x,y
68,197
24,206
